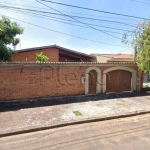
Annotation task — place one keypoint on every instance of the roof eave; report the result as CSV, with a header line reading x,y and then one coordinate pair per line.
x,y
53,46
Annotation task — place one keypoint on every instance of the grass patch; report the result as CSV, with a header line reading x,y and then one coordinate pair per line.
x,y
77,113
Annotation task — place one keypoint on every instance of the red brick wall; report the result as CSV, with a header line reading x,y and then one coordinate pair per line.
x,y
51,53
23,81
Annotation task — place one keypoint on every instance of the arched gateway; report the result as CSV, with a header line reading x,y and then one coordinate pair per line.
x,y
117,79
93,80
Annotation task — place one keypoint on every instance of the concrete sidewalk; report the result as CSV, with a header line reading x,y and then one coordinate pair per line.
x,y
25,120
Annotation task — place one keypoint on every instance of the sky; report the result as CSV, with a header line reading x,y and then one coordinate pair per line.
x,y
34,36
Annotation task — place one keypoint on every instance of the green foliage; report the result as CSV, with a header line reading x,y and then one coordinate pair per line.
x,y
141,41
8,32
5,52
41,57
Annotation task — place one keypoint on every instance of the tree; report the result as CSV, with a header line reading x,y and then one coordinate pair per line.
x,y
5,52
141,42
8,32
41,57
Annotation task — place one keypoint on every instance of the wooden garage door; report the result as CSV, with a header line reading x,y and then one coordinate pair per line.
x,y
118,80
92,81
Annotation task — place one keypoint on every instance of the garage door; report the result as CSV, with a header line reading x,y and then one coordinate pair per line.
x,y
118,80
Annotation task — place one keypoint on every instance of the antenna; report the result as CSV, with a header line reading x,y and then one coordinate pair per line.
x,y
20,45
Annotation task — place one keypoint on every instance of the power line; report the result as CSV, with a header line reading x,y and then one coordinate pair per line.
x,y
67,20
95,10
62,32
37,15
80,21
80,37
79,17
68,12
141,2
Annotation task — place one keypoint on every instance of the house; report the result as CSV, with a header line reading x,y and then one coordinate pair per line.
x,y
53,52
21,80
57,53
113,57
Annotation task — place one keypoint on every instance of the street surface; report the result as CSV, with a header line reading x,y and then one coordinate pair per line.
x,y
131,133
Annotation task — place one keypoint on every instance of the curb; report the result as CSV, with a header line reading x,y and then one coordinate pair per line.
x,y
76,122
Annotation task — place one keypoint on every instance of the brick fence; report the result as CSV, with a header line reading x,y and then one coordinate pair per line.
x,y
33,80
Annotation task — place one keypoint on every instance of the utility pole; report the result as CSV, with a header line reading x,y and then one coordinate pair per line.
x,y
135,53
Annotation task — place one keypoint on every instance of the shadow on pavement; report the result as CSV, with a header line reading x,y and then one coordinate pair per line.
x,y
41,102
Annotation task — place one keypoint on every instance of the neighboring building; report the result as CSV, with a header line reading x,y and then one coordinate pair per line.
x,y
113,57
60,54
53,52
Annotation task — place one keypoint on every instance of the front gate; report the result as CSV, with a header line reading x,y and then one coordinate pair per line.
x,y
92,82
118,80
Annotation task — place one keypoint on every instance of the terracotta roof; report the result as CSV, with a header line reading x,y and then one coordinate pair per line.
x,y
121,56
53,46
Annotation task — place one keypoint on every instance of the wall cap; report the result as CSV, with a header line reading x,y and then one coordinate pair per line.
x,y
33,62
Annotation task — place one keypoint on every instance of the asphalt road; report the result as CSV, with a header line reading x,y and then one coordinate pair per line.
x,y
120,134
